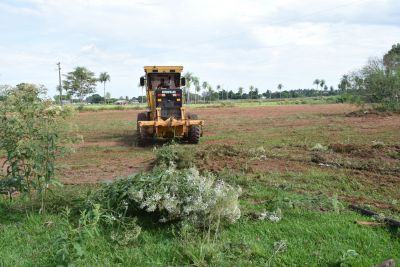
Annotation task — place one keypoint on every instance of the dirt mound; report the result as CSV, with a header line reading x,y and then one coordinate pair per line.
x,y
368,113
343,148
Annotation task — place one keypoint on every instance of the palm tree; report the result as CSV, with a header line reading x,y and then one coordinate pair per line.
x,y
204,85
322,83
108,96
251,88
317,82
240,91
218,90
210,92
103,78
280,86
197,87
188,76
139,86
256,92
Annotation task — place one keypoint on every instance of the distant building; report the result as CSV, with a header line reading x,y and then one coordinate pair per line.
x,y
66,102
121,102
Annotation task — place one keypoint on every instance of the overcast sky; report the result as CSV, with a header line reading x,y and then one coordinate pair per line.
x,y
234,43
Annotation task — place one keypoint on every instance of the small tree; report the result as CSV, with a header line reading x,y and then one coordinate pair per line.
x,y
80,82
33,133
103,78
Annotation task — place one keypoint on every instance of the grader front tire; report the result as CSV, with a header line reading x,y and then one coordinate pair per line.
x,y
141,137
194,134
194,131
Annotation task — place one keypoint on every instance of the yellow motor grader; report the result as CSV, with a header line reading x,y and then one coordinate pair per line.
x,y
166,118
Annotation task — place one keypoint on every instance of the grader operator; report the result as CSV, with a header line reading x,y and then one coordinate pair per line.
x,y
166,117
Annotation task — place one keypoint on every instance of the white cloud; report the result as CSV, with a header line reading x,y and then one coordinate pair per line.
x,y
230,42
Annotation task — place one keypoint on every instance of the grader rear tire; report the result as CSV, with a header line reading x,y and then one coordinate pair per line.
x,y
141,136
194,131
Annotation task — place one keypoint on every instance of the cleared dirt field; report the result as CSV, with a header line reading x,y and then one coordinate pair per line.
x,y
361,150
109,149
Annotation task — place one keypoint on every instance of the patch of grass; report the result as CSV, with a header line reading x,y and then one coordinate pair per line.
x,y
311,237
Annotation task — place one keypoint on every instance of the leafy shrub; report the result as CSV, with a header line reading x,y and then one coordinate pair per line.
x,y
71,239
172,194
375,83
172,154
33,133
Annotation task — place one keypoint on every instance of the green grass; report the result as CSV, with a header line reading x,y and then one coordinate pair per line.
x,y
312,237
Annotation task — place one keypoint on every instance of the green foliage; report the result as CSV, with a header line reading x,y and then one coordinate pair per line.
x,y
71,240
3,92
33,133
392,58
74,239
172,194
173,154
348,258
104,77
377,83
199,248
80,82
95,99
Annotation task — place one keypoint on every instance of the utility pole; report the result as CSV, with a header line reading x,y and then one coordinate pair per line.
x,y
59,81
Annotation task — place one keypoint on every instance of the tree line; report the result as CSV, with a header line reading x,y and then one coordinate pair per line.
x,y
197,91
81,83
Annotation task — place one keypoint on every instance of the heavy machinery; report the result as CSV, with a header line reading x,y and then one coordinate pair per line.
x,y
166,118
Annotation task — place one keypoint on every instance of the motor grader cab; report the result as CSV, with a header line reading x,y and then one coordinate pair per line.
x,y
166,118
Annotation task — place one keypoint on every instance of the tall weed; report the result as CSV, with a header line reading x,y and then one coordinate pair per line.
x,y
33,133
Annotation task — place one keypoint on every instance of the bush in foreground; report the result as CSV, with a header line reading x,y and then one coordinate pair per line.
x,y
33,133
173,194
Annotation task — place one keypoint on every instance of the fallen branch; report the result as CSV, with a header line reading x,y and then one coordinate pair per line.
x,y
388,263
368,223
388,221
